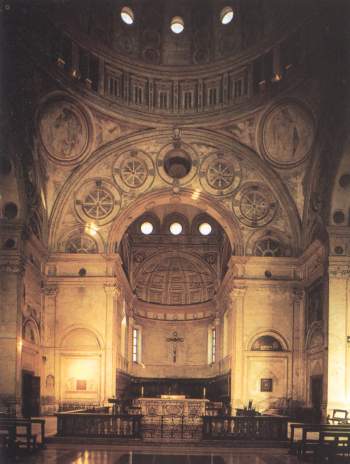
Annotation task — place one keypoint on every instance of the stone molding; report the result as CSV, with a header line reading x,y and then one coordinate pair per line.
x,y
112,290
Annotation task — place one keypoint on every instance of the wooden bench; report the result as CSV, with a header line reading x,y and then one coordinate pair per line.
x,y
333,445
12,434
301,447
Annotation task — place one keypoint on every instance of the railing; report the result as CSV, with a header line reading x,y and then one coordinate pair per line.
x,y
270,428
98,425
149,428
172,428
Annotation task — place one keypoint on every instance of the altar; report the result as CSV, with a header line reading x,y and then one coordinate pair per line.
x,y
171,405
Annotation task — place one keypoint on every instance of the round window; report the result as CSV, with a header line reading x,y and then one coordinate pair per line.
x,y
146,228
175,228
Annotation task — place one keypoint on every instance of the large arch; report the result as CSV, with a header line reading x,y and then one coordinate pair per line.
x,y
214,205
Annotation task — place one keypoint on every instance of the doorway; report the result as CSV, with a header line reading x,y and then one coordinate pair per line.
x,y
30,394
316,393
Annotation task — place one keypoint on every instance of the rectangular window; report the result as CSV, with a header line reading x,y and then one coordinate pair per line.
x,y
212,96
138,95
213,345
163,100
188,100
135,345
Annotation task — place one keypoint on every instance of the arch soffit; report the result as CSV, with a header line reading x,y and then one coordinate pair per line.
x,y
178,254
249,157
89,329
270,333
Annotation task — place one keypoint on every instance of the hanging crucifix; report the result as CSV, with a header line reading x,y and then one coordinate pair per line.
x,y
174,340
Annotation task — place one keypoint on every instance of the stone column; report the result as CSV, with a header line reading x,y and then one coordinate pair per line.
x,y
50,378
112,293
237,365
338,388
297,390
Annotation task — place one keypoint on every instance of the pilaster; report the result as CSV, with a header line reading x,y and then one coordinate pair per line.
x,y
338,389
112,293
237,295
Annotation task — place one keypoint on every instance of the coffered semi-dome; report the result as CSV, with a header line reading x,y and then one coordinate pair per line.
x,y
175,280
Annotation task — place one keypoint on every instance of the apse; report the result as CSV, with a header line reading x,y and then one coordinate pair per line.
x,y
175,255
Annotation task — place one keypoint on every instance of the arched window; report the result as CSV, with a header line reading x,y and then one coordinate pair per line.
x,y
267,343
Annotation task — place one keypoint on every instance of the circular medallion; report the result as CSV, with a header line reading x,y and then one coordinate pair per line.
x,y
63,130
133,170
254,205
287,134
81,244
177,164
220,174
97,200
98,203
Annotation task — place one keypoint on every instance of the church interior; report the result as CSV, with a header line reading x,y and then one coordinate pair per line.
x,y
174,210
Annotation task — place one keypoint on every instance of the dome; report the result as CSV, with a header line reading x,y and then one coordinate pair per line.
x,y
175,280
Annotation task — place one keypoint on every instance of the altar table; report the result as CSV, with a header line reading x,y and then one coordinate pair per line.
x,y
171,405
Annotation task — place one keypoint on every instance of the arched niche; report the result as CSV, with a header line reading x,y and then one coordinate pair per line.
x,y
81,339
30,332
80,378
266,343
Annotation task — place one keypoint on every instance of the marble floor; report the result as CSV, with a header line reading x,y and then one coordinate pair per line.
x,y
122,454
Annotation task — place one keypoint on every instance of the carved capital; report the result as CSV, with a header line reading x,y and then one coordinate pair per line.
x,y
50,291
112,290
339,271
12,268
298,295
237,292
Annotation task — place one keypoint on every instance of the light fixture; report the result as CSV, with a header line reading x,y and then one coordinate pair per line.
x,y
205,228
226,15
91,229
177,24
175,228
146,228
127,15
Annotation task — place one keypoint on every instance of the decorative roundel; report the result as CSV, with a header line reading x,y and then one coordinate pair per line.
x,y
133,170
220,174
177,164
97,201
254,205
64,131
287,134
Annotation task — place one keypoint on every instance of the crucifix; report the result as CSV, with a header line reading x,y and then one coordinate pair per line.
x,y
175,340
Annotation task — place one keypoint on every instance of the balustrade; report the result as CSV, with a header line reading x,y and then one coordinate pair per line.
x,y
270,428
98,425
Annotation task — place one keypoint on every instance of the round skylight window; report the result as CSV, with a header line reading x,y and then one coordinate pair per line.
x,y
175,228
177,25
127,15
226,15
146,228
205,228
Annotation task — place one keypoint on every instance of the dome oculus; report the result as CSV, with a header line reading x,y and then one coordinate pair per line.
x,y
226,15
127,15
146,228
177,25
175,228
205,228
